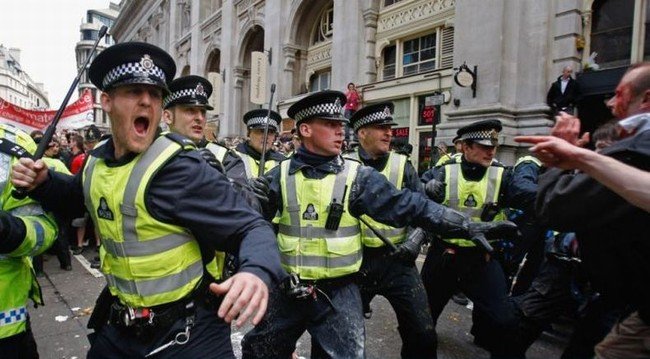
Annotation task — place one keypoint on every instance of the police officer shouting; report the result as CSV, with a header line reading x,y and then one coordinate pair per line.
x,y
25,231
161,211
478,186
393,276
250,151
319,197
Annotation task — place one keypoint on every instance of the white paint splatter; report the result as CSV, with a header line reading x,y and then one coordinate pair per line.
x,y
61,318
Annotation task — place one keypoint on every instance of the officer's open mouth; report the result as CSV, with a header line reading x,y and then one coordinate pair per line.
x,y
141,125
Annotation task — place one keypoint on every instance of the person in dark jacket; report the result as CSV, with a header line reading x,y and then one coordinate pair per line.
x,y
613,233
564,93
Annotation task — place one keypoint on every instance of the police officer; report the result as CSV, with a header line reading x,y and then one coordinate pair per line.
x,y
393,275
478,186
161,212
25,231
319,196
185,113
250,151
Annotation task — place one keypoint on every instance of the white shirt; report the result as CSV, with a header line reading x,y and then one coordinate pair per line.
x,y
563,84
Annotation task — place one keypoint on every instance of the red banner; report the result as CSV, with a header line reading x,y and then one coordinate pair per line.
x,y
77,115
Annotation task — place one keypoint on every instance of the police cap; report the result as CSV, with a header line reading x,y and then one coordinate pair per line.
x,y
132,63
377,114
484,132
189,90
257,119
326,105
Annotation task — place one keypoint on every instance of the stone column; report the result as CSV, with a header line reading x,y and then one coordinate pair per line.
x,y
370,25
511,52
347,44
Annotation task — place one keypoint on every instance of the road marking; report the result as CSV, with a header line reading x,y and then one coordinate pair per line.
x,y
84,262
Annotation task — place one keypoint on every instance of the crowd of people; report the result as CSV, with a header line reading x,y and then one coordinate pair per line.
x,y
296,234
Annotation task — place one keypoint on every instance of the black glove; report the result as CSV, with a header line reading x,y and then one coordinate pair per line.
x,y
259,186
454,224
435,190
209,157
496,230
408,251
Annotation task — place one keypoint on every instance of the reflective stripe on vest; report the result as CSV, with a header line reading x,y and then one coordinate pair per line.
x,y
306,247
394,172
528,158
218,151
460,191
252,166
146,262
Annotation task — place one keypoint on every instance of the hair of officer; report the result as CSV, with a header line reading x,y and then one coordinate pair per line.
x,y
641,80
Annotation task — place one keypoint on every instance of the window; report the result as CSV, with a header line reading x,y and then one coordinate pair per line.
x,y
413,56
325,27
320,81
389,62
89,34
390,2
611,32
419,54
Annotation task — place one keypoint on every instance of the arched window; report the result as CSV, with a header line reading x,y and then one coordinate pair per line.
x,y
324,30
612,32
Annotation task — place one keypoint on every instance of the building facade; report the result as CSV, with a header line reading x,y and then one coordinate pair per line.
x,y
89,30
15,84
420,54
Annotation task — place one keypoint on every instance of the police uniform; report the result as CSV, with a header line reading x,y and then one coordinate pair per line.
x,y
383,274
160,214
195,91
25,231
454,264
255,119
319,199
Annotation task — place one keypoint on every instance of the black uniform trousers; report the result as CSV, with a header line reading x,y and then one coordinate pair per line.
x,y
209,338
550,296
482,281
336,325
401,285
19,346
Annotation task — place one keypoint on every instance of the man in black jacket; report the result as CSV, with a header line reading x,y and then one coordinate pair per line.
x,y
564,93
612,232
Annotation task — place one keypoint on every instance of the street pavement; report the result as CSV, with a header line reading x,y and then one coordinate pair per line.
x,y
60,326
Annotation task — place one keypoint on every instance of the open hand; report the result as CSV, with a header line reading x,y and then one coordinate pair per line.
x,y
246,294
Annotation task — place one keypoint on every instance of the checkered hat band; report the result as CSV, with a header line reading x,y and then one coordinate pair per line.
x,y
131,68
180,94
370,118
255,121
477,135
324,109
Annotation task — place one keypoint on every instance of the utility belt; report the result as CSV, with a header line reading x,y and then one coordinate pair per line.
x,y
146,323
295,288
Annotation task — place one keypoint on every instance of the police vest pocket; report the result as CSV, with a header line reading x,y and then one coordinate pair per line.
x,y
288,244
339,246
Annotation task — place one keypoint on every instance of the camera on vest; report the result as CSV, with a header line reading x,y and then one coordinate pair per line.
x,y
490,210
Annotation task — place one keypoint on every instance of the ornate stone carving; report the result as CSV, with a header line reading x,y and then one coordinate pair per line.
x,y
318,54
411,12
